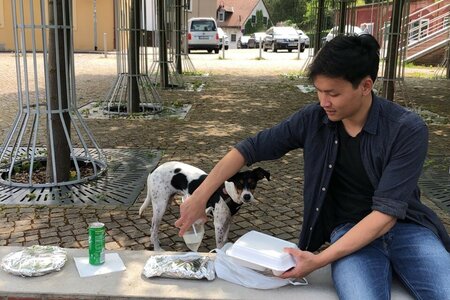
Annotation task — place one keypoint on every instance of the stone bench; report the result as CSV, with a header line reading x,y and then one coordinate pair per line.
x,y
132,284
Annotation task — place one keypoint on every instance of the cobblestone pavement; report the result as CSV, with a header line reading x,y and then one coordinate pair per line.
x,y
241,96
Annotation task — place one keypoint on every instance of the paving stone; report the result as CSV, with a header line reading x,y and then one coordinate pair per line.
x,y
49,241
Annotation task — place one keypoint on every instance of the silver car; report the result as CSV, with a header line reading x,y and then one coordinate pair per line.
x,y
283,38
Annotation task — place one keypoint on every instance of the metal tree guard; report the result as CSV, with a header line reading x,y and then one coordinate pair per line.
x,y
48,121
165,25
133,91
183,61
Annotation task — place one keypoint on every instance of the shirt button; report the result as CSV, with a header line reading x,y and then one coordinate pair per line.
x,y
335,141
310,228
324,189
317,209
330,166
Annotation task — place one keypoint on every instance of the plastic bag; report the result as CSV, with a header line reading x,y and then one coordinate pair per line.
x,y
228,270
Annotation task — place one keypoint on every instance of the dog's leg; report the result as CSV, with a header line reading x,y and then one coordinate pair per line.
x,y
148,198
222,223
159,204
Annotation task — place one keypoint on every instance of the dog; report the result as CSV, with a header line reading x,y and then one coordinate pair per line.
x,y
177,178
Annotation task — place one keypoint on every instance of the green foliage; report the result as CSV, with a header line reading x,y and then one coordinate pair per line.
x,y
310,17
287,10
256,27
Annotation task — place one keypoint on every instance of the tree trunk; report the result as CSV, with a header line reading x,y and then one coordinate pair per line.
x,y
178,12
393,50
133,56
320,24
163,66
59,65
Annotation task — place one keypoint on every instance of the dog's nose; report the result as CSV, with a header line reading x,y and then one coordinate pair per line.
x,y
247,197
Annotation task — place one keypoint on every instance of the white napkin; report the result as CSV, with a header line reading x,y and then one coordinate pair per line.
x,y
112,263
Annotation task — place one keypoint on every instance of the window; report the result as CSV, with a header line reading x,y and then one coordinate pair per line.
x,y
203,25
188,5
253,19
221,17
233,37
2,16
446,22
418,29
265,20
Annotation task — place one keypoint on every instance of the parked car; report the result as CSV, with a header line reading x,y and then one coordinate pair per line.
x,y
203,35
304,37
349,30
253,41
282,38
243,42
223,36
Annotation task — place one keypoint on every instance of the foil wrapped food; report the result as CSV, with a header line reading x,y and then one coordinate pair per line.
x,y
187,266
34,261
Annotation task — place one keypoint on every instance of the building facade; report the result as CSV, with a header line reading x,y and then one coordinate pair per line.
x,y
92,19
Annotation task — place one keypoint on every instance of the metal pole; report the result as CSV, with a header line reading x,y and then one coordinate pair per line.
x,y
178,7
393,48
342,17
298,47
105,45
95,25
223,46
260,48
448,64
164,68
320,21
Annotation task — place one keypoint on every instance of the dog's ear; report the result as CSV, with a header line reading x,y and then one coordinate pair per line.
x,y
261,173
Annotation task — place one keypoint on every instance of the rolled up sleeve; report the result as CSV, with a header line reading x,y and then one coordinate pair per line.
x,y
398,185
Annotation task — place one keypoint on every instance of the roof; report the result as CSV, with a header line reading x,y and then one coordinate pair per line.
x,y
237,11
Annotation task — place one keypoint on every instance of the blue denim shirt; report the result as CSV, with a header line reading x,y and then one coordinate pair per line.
x,y
394,144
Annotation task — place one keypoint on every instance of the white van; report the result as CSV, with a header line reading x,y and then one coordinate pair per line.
x,y
349,30
203,35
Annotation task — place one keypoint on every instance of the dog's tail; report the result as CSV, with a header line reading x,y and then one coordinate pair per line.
x,y
147,199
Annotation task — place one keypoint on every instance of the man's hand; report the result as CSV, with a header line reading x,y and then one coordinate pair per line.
x,y
305,263
191,210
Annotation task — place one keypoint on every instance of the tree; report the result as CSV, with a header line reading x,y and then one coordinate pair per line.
x,y
258,26
283,10
59,59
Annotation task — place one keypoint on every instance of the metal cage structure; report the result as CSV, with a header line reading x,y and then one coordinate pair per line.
x,y
133,91
168,19
48,131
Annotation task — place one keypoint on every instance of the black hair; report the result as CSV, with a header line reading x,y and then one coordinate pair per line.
x,y
349,57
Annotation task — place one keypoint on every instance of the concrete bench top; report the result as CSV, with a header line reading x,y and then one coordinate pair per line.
x,y
132,284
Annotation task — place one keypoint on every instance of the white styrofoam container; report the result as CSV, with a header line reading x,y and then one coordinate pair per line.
x,y
261,251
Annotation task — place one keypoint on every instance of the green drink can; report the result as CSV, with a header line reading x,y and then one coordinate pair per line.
x,y
96,243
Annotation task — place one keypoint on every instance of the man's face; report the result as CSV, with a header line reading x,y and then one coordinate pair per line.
x,y
339,98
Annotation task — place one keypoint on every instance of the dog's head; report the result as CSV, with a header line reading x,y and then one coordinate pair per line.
x,y
245,183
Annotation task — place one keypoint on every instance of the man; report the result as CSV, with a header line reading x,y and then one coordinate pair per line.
x,y
363,156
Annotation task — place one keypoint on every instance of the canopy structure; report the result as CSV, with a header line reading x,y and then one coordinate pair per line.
x,y
133,91
49,144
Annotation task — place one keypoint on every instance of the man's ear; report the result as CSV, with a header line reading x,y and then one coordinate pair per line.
x,y
261,173
367,85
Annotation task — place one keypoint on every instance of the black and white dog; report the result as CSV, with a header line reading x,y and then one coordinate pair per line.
x,y
174,178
